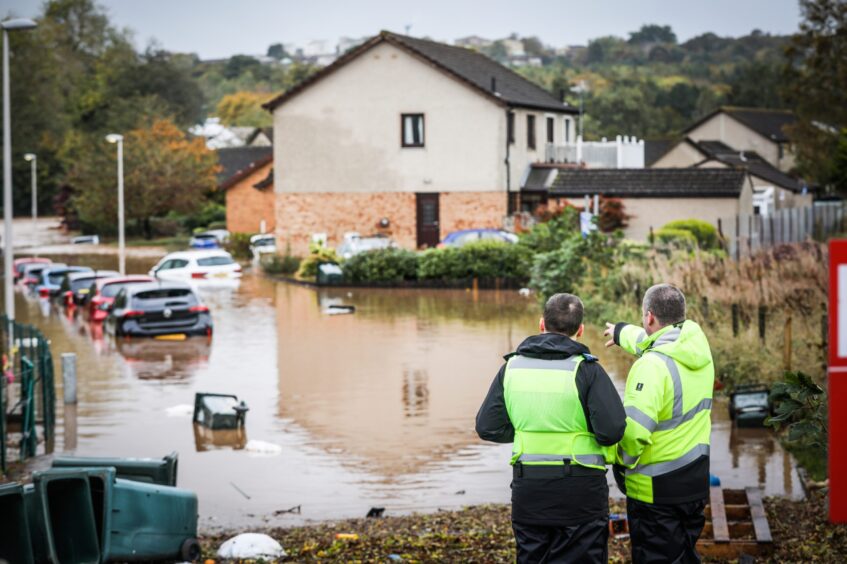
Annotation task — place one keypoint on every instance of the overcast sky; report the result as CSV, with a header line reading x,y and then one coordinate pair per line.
x,y
220,28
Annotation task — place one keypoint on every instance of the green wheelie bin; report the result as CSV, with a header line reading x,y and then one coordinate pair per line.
x,y
14,534
150,470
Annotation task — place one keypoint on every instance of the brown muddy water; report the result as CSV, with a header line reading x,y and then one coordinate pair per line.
x,y
347,412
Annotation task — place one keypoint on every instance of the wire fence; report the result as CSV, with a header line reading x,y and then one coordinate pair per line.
x,y
27,391
746,234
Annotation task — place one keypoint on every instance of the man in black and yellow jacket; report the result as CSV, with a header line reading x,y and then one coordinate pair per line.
x,y
663,458
559,407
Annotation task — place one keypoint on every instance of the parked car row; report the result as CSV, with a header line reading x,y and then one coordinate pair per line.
x,y
163,304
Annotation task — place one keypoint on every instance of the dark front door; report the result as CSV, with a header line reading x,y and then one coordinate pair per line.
x,y
427,214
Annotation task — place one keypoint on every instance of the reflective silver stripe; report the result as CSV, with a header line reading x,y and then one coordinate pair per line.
x,y
660,468
668,337
627,459
541,458
705,403
525,362
641,418
595,459
641,336
677,384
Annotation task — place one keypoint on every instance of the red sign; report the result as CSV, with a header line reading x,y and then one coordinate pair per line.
x,y
837,377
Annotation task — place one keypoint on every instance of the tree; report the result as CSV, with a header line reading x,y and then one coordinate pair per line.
x,y
816,78
277,51
164,171
652,33
244,108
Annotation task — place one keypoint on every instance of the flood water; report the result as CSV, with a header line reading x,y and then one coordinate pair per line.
x,y
347,412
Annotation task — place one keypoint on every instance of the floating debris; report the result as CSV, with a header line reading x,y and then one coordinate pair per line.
x,y
337,309
181,410
251,545
296,509
262,447
219,411
375,512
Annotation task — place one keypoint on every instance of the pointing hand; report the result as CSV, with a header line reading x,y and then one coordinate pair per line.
x,y
610,332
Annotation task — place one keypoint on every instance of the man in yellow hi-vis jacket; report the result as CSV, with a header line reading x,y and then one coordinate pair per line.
x,y
663,458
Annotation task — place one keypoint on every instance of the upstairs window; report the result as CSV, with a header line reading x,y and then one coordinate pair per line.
x,y
412,130
550,125
530,132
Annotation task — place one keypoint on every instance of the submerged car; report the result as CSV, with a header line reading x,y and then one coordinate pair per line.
x,y
102,294
31,272
212,239
164,310
19,266
354,244
197,265
749,405
465,236
77,285
50,281
262,244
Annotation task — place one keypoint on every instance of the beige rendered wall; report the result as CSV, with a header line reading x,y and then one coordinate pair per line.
x,y
520,155
301,214
343,134
724,128
683,155
246,206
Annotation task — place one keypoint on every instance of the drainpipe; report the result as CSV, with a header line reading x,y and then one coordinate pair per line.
x,y
508,165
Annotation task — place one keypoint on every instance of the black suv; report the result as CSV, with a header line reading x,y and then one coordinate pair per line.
x,y
158,309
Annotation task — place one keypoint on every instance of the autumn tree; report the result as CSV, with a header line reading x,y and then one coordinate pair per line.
x,y
244,108
164,171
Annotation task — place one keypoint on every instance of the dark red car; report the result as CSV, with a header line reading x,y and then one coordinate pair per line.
x,y
104,290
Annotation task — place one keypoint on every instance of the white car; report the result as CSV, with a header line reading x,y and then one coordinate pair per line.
x,y
262,244
197,265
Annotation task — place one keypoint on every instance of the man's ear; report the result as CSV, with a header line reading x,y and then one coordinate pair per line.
x,y
650,318
541,327
580,331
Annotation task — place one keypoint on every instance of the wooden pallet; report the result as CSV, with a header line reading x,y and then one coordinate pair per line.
x,y
736,524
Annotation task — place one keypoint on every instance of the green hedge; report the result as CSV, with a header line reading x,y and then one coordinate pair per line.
x,y
280,264
678,237
381,265
238,245
704,233
485,259
309,266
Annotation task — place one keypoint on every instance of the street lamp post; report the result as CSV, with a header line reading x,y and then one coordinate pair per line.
x,y
8,252
32,158
119,139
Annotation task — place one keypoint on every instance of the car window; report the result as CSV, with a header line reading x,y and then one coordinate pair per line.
x,y
466,238
111,290
55,279
120,299
80,283
493,236
179,263
163,297
215,261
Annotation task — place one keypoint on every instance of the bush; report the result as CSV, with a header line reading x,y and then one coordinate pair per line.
x,y
703,232
577,260
238,245
676,237
276,264
211,212
382,265
165,226
484,259
309,266
549,235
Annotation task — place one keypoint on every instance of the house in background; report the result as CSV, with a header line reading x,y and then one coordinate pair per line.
x,y
409,137
757,130
247,180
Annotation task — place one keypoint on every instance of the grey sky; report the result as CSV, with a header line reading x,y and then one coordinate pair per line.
x,y
219,28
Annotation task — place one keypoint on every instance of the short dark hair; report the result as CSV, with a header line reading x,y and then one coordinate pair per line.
x,y
666,302
563,314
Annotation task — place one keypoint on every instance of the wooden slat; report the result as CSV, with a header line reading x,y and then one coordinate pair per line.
x,y
757,513
738,530
719,527
733,512
731,550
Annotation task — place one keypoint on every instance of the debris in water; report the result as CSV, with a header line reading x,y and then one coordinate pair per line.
x,y
262,447
181,410
336,309
460,492
251,545
395,557
239,490
375,512
524,292
219,411
296,509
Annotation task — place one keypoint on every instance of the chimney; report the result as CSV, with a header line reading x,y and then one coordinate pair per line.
x,y
493,84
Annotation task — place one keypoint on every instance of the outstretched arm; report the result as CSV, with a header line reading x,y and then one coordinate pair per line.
x,y
626,336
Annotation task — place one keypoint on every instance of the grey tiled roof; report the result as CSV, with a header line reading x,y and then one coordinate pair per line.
x,y
468,66
236,160
650,182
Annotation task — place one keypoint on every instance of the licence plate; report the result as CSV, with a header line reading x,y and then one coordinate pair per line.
x,y
171,337
221,275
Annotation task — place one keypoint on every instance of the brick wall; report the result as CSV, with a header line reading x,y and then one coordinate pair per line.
x,y
300,214
246,206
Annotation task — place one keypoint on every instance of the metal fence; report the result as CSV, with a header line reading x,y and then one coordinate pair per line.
x,y
27,390
746,234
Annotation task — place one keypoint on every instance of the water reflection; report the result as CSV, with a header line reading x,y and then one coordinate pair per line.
x,y
206,439
149,359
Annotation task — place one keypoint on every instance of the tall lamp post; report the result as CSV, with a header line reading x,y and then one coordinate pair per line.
x,y
8,252
119,139
32,159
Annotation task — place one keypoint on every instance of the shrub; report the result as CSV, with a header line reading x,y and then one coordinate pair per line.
x,y
676,237
309,266
550,235
484,259
382,265
276,264
612,215
238,245
165,226
211,212
703,232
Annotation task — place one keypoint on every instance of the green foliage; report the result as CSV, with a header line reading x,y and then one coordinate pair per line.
x,y
676,237
276,264
238,245
382,265
484,259
209,213
549,235
705,233
653,33
309,266
800,406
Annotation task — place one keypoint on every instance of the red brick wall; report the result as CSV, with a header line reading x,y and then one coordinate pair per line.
x,y
246,206
300,214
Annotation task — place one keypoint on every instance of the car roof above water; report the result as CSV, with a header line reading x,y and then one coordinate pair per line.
x,y
159,285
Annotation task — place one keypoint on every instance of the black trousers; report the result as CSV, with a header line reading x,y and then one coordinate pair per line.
x,y
665,533
587,542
